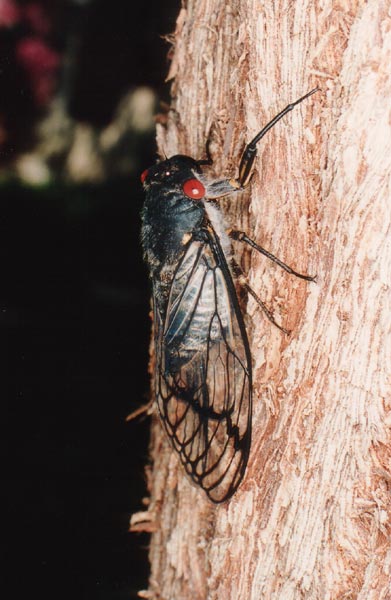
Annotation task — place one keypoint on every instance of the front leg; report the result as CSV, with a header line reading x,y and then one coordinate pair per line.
x,y
250,151
224,187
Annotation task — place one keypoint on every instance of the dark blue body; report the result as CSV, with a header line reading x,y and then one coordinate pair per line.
x,y
169,220
202,357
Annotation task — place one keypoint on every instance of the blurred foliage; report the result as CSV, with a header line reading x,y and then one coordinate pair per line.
x,y
80,84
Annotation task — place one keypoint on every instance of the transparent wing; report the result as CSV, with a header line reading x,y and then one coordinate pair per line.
x,y
204,372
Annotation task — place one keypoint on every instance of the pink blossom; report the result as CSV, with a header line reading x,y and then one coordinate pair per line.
x,y
36,17
40,63
9,13
36,55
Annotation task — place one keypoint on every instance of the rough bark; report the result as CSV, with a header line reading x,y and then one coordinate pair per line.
x,y
312,516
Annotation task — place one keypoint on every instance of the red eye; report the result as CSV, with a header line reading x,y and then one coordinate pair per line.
x,y
193,188
143,175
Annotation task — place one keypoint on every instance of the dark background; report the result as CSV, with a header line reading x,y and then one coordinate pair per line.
x,y
74,315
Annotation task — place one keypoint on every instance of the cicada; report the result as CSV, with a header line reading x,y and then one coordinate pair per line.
x,y
203,373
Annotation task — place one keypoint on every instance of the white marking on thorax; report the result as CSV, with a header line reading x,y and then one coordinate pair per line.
x,y
216,218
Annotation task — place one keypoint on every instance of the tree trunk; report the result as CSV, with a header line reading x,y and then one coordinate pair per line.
x,y
311,518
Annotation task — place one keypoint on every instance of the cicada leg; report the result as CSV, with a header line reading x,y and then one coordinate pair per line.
x,y
250,151
242,280
241,236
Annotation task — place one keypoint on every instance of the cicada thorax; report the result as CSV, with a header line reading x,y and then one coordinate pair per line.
x,y
172,216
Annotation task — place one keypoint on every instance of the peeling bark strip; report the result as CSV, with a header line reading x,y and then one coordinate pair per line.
x,y
311,519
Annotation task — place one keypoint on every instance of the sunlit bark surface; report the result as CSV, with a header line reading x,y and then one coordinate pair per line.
x,y
311,519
